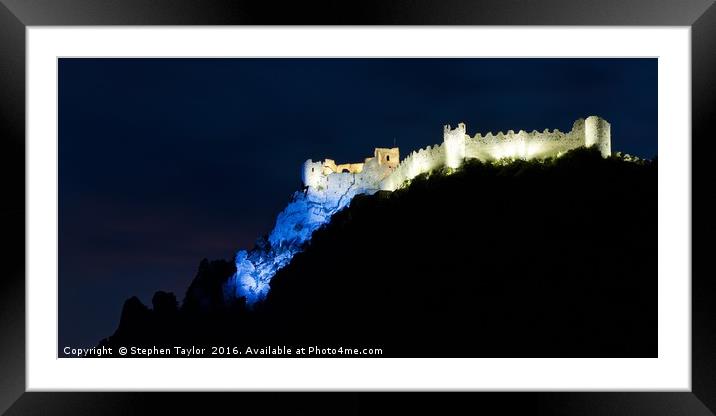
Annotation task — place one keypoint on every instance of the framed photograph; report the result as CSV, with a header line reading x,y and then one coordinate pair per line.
x,y
494,199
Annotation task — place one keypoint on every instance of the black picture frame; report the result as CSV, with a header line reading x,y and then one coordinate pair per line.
x,y
16,15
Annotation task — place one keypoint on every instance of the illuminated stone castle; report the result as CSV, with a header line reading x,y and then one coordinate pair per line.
x,y
329,187
385,171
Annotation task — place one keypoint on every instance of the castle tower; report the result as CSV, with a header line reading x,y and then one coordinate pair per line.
x,y
597,132
389,157
454,145
312,174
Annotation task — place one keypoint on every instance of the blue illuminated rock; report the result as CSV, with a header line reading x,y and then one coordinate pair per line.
x,y
328,189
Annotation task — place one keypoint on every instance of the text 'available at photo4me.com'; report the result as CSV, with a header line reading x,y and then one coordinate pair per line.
x,y
221,351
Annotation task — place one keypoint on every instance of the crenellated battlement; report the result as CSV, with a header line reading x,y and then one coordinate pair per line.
x,y
457,146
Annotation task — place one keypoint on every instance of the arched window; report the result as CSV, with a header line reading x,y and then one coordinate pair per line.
x,y
387,158
313,169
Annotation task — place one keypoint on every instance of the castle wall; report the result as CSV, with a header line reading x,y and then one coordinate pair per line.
x,y
338,186
335,190
458,146
523,145
424,160
331,167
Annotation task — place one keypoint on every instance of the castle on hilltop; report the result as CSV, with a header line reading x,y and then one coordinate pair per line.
x,y
385,171
329,187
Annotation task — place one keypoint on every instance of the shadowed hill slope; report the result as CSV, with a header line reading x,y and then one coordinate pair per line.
x,y
526,259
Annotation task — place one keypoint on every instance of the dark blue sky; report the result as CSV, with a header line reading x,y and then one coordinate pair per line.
x,y
163,162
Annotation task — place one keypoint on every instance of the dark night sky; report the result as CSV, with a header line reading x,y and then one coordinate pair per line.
x,y
163,162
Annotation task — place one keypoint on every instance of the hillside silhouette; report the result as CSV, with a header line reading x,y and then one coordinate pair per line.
x,y
524,259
